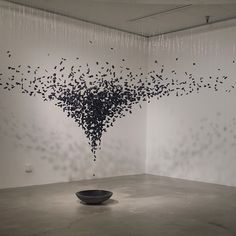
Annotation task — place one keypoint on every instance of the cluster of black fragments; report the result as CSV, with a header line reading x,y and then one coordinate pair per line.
x,y
96,99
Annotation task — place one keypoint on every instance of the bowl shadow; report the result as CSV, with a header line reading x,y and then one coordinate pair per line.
x,y
108,202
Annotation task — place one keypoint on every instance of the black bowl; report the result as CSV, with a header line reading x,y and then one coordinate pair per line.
x,y
94,196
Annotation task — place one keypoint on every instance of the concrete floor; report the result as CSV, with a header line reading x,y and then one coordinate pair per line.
x,y
141,205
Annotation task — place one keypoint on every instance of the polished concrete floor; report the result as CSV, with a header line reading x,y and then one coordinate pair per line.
x,y
141,205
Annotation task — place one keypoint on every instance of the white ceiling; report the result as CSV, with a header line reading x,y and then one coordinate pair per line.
x,y
143,17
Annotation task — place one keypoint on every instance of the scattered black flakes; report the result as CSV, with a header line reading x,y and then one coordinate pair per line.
x,y
9,54
96,101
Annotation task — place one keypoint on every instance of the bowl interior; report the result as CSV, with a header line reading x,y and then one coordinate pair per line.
x,y
94,193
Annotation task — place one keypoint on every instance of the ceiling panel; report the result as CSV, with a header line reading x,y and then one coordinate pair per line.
x,y
188,17
145,18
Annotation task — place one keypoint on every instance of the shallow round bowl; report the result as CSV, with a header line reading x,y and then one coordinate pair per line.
x,y
94,196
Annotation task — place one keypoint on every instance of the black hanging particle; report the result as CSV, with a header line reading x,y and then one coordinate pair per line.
x,y
95,104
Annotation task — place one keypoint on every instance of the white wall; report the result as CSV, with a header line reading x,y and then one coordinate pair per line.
x,y
194,136
37,133
190,137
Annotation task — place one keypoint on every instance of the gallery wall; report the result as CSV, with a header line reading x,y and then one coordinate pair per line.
x,y
191,134
40,143
79,101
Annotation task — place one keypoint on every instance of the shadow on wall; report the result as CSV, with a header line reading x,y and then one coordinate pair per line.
x,y
66,155
199,147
